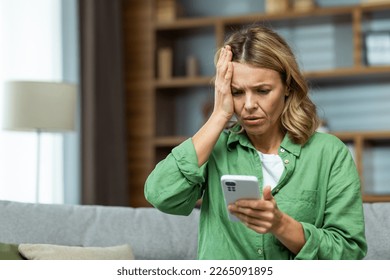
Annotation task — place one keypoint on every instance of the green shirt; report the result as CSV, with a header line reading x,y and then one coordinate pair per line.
x,y
319,187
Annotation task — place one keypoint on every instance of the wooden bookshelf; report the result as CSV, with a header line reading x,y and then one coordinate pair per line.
x,y
183,82
360,140
144,35
332,75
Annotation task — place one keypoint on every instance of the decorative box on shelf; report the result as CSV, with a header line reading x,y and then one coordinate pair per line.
x,y
165,68
280,6
276,6
166,10
303,5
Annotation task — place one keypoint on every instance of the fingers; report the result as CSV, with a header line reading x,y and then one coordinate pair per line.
x,y
224,64
259,221
260,215
224,105
229,72
259,209
247,213
225,56
267,195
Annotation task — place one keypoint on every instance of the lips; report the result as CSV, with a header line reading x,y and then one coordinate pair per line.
x,y
252,120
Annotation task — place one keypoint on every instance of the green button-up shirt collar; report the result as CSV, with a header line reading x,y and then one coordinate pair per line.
x,y
242,139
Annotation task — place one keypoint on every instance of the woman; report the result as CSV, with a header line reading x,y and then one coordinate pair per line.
x,y
311,206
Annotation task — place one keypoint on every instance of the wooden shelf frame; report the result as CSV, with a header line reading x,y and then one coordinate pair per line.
x,y
346,136
169,141
344,74
180,82
355,12
366,135
375,198
200,22
140,44
358,71
359,139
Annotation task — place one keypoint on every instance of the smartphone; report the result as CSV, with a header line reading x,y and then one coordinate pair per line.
x,y
237,187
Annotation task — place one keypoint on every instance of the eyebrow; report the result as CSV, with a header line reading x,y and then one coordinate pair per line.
x,y
255,86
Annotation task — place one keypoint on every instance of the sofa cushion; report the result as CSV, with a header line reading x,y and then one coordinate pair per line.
x,y
59,252
9,252
377,221
150,233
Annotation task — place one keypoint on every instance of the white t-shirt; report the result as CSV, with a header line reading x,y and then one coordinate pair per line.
x,y
273,167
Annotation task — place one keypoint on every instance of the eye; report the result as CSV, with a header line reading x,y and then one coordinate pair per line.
x,y
236,92
263,90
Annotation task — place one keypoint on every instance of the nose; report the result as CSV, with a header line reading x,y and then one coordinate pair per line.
x,y
250,102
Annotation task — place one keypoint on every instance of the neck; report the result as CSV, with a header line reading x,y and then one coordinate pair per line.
x,y
267,143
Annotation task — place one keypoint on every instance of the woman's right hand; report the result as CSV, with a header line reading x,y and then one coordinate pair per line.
x,y
206,137
223,100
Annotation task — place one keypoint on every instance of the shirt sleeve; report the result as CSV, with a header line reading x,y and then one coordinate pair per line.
x,y
342,235
176,183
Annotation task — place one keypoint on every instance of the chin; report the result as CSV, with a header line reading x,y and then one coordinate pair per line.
x,y
254,130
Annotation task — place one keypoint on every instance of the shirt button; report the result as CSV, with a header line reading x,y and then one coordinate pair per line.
x,y
277,190
286,161
282,150
260,251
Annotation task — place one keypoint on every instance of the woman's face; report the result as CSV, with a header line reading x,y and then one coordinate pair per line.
x,y
259,97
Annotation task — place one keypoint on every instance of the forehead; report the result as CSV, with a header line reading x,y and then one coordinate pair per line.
x,y
248,75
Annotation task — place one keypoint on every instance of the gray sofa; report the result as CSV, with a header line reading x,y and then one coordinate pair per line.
x,y
150,233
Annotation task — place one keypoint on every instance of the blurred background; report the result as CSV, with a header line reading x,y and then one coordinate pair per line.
x,y
143,71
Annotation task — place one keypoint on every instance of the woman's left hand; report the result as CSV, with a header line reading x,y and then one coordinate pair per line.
x,y
261,215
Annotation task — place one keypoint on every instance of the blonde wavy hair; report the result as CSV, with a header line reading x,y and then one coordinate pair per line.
x,y
262,47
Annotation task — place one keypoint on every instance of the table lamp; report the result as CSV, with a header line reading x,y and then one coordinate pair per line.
x,y
39,107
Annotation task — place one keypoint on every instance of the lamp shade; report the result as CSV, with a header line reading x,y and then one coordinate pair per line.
x,y
46,106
